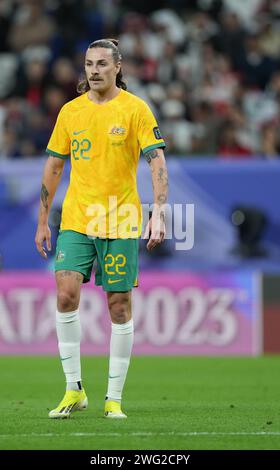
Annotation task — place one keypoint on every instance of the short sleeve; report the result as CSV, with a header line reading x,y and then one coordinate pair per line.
x,y
59,143
149,135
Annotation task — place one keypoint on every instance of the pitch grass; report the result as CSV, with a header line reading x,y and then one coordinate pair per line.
x,y
166,398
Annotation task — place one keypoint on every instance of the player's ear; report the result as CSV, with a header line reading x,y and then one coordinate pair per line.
x,y
118,67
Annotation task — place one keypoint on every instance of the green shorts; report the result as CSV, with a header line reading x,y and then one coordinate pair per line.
x,y
117,259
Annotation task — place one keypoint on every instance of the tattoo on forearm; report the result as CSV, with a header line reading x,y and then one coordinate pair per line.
x,y
44,196
159,178
162,178
151,154
161,199
160,174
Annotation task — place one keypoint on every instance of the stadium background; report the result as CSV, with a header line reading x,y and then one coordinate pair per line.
x,y
210,70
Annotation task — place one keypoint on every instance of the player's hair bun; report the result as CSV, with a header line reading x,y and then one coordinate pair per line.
x,y
114,41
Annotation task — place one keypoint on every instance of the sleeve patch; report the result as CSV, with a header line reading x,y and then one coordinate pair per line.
x,y
157,133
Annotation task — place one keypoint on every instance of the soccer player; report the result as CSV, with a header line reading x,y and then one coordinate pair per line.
x,y
103,131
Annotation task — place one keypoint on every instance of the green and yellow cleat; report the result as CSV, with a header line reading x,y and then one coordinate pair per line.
x,y
73,400
113,410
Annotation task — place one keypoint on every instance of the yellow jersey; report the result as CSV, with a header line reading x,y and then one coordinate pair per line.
x,y
104,142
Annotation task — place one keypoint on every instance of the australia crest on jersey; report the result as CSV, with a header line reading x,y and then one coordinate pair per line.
x,y
117,131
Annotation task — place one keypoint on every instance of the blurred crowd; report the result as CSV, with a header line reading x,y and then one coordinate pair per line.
x,y
210,69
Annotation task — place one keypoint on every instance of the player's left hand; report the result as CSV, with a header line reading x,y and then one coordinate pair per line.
x,y
155,231
43,235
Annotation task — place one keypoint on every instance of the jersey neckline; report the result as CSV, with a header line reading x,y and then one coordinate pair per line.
x,y
107,102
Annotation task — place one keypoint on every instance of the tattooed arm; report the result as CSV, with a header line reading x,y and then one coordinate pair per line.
x,y
51,178
156,224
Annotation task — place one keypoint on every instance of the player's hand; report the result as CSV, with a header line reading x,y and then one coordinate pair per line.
x,y
43,234
155,230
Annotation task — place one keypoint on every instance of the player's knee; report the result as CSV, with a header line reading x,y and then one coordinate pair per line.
x,y
67,301
119,311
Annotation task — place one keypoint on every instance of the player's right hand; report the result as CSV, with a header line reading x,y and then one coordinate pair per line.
x,y
43,234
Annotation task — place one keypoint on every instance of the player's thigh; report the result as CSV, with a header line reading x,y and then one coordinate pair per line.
x,y
69,282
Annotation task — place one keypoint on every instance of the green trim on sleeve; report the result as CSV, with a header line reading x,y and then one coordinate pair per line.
x,y
55,154
155,146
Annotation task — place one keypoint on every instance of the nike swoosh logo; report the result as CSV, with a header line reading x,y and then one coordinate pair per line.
x,y
113,376
112,281
79,132
64,358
